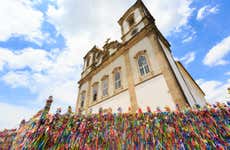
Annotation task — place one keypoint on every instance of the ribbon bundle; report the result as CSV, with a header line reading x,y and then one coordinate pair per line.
x,y
201,128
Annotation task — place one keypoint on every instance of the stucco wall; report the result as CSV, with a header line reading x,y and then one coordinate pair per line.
x,y
119,62
154,93
144,44
120,100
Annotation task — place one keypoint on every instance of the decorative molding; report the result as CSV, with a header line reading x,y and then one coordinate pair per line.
x,y
95,83
94,49
113,44
116,69
104,77
142,52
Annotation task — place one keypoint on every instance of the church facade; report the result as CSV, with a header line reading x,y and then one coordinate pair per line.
x,y
138,72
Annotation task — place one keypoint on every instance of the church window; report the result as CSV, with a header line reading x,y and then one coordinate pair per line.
x,y
134,32
143,65
82,99
117,79
88,61
131,20
95,91
105,82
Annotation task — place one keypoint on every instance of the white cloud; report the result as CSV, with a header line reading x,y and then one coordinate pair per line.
x,y
17,80
62,86
190,35
187,39
227,73
170,16
215,91
85,23
205,11
43,73
19,18
216,54
188,58
11,115
35,59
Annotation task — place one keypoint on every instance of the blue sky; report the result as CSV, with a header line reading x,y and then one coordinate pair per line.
x,y
42,43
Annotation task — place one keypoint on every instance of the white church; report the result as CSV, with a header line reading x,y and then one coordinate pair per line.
x,y
138,72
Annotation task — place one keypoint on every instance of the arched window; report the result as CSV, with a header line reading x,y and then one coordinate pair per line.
x,y
88,61
143,65
131,20
105,85
82,99
117,79
95,91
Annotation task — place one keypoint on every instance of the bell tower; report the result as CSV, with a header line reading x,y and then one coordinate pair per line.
x,y
134,20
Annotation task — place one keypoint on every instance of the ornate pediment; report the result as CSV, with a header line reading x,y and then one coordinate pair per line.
x,y
111,45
